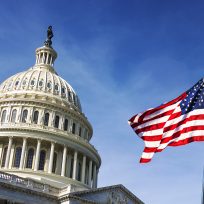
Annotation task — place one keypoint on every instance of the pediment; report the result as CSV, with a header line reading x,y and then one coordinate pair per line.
x,y
117,194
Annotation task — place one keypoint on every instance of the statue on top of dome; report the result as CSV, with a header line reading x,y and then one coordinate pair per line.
x,y
50,35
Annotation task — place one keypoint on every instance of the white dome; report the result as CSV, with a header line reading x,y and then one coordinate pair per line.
x,y
42,79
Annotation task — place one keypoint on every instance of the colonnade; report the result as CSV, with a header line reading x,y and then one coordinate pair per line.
x,y
73,126
69,163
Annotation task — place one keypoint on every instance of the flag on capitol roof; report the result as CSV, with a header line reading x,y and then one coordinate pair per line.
x,y
177,122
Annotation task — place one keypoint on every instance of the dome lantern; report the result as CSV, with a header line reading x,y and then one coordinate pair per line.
x,y
46,55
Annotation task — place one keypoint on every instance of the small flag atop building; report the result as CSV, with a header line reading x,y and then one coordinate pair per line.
x,y
174,123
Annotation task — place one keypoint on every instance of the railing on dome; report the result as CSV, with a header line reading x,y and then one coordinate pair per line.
x,y
42,127
28,183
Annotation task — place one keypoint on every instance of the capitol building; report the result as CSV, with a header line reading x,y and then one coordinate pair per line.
x,y
45,149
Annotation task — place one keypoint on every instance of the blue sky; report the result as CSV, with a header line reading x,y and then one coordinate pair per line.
x,y
121,57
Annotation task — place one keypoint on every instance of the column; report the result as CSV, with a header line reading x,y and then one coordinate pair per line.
x,y
23,154
1,149
77,128
37,155
30,115
83,169
8,114
19,114
70,125
74,175
64,158
52,119
52,149
41,117
8,152
12,153
90,172
62,119
94,177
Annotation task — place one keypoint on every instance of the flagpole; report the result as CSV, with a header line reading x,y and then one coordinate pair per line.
x,y
202,196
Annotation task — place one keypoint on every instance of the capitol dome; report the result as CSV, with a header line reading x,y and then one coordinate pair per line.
x,y
42,79
44,135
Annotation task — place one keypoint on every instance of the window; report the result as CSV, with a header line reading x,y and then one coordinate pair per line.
x,y
32,83
4,156
74,98
40,83
79,172
54,163
42,160
49,58
56,121
49,85
41,57
71,167
24,116
73,128
17,157
87,174
3,116
13,116
80,131
63,90
69,96
29,162
35,117
46,120
17,82
65,125
56,87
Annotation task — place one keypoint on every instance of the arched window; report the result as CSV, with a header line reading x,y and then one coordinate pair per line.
x,y
29,162
65,125
4,157
24,116
35,117
42,160
54,163
32,83
17,157
41,83
3,116
69,96
49,85
73,128
46,120
56,121
13,116
80,131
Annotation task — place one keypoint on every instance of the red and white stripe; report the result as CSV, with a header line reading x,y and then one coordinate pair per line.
x,y
166,126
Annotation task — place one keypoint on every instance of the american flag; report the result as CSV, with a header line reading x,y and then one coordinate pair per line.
x,y
174,123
